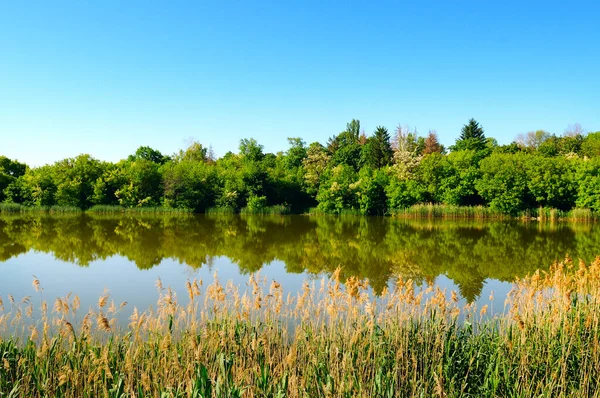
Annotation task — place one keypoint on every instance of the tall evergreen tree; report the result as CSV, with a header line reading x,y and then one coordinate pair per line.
x,y
377,151
472,136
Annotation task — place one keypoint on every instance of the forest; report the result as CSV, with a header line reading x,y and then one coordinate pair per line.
x,y
376,174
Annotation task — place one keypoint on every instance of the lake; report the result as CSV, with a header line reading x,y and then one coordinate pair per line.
x,y
87,254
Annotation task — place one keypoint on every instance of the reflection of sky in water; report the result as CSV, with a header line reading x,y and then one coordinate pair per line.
x,y
123,280
126,282
126,255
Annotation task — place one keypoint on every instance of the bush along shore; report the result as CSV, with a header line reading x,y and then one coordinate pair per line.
x,y
352,173
332,339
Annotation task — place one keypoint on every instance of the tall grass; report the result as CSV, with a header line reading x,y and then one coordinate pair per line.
x,y
220,210
111,209
431,210
19,208
329,340
10,208
271,210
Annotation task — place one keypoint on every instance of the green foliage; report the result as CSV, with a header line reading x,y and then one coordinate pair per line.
x,y
458,185
295,154
338,190
349,155
588,175
149,154
504,183
377,151
315,163
472,137
143,184
590,146
74,179
189,184
404,193
552,181
371,193
250,150
353,174
195,152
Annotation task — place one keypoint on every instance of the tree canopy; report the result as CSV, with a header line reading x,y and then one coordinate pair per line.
x,y
353,173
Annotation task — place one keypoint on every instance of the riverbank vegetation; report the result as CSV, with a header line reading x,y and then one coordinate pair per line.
x,y
351,174
332,339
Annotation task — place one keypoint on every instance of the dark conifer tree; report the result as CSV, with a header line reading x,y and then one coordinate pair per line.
x,y
472,136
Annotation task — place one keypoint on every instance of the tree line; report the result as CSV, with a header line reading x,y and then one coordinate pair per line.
x,y
352,172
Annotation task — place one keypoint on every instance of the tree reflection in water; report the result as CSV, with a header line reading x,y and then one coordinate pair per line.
x,y
377,249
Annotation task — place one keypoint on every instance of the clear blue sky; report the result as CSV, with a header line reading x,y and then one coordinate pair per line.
x,y
105,77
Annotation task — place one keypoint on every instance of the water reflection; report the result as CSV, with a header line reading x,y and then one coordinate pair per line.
x,y
375,248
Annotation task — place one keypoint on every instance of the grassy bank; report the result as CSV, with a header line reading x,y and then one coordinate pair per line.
x,y
229,343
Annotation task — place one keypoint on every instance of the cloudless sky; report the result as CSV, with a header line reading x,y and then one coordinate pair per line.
x,y
106,77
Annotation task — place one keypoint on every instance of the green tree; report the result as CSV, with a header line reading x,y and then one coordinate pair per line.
x,y
472,137
250,150
377,151
504,183
590,146
143,185
195,152
458,186
105,187
588,184
75,178
345,148
552,181
433,172
10,170
189,184
149,154
296,153
372,198
315,163
338,190
404,193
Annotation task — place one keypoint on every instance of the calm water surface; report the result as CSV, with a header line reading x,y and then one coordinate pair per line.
x,y
86,254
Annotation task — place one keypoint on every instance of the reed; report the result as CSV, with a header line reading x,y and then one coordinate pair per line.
x,y
113,209
220,210
19,208
331,339
431,210
270,210
10,208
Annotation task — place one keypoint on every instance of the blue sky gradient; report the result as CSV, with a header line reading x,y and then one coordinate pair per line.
x,y
107,77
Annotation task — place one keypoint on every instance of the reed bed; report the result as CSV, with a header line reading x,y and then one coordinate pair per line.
x,y
431,210
269,210
330,340
112,209
19,208
220,210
